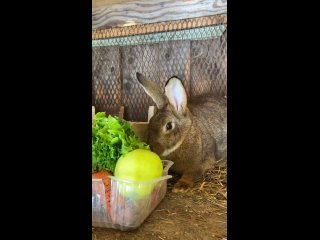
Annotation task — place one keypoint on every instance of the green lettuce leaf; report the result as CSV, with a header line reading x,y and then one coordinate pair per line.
x,y
112,137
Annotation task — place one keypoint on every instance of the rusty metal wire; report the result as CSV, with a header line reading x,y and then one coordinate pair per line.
x,y
195,50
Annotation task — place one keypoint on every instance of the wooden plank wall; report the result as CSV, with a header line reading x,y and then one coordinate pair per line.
x,y
111,13
208,66
200,64
106,78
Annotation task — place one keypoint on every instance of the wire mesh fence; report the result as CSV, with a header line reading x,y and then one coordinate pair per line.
x,y
195,50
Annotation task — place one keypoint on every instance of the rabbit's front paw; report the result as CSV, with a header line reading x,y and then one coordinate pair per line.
x,y
183,185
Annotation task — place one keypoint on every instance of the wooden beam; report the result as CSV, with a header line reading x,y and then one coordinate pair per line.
x,y
159,27
106,14
101,3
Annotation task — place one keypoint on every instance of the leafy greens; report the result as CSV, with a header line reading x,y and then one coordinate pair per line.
x,y
112,137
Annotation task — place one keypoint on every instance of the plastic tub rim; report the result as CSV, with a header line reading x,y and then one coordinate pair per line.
x,y
155,180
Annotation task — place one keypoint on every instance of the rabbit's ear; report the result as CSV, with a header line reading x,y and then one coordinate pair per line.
x,y
153,90
176,94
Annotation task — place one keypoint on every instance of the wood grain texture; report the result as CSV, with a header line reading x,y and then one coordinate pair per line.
x,y
101,3
152,11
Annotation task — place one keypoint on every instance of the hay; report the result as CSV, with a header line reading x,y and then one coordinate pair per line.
x,y
208,196
212,188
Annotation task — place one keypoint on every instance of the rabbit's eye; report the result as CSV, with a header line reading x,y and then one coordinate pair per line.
x,y
169,126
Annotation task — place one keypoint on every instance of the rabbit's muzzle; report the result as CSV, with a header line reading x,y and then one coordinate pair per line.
x,y
156,147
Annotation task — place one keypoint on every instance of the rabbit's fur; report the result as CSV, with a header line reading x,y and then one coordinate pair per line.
x,y
193,135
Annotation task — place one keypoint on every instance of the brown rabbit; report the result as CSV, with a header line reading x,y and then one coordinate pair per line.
x,y
193,135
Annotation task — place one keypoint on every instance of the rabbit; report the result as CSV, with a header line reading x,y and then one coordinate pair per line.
x,y
191,134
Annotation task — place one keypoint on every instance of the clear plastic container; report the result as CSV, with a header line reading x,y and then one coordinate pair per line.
x,y
127,211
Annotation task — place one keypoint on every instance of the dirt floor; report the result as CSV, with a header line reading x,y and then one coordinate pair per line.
x,y
200,213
